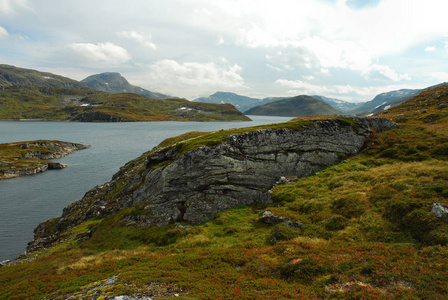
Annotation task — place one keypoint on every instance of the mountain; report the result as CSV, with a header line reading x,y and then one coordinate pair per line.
x,y
44,103
10,75
341,105
298,106
242,103
398,101
384,100
429,106
115,83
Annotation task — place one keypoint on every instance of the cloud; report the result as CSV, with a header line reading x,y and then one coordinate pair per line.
x,y
141,38
430,48
440,76
3,33
316,53
345,92
385,73
101,52
209,76
11,7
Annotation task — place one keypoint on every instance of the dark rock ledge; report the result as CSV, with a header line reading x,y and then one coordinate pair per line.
x,y
169,185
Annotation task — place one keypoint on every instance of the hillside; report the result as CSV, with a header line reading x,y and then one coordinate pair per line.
x,y
115,83
43,103
373,226
429,107
343,106
294,107
384,100
242,103
10,75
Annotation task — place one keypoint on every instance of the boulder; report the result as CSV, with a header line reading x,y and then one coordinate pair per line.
x,y
172,184
267,217
440,210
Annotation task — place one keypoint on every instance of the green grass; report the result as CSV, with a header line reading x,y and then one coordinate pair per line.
x,y
369,234
44,103
18,156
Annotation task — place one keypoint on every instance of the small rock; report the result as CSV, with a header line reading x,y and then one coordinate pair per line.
x,y
424,111
5,263
440,210
442,105
271,219
56,166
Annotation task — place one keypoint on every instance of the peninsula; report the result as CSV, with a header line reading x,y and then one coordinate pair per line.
x,y
27,158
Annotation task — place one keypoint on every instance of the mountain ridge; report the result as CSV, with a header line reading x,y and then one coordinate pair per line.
x,y
297,106
11,75
113,82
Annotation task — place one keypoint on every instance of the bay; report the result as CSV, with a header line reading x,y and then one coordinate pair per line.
x,y
27,201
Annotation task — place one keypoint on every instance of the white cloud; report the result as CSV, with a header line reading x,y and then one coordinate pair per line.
x,y
308,77
209,76
343,92
430,48
9,7
3,33
141,38
101,52
384,72
440,76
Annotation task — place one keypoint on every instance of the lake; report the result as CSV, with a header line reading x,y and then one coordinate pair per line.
x,y
27,201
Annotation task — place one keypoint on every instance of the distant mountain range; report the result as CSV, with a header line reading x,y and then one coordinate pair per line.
x,y
385,101
341,105
298,106
115,83
10,75
34,95
244,103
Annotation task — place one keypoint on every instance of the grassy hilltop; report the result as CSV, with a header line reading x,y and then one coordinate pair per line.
x,y
55,104
369,234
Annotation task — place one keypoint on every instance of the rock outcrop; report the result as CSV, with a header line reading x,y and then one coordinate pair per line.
x,y
193,180
28,158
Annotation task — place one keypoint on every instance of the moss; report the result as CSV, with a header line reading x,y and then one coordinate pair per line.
x,y
349,122
281,232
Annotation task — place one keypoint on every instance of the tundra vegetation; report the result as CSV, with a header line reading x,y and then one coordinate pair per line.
x,y
59,104
369,233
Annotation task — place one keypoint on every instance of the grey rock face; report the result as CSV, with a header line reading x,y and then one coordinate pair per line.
x,y
206,180
440,210
195,185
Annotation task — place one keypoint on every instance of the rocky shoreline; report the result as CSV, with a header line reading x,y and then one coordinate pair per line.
x,y
194,179
31,157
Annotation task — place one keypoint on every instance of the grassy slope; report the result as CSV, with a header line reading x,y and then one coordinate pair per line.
x,y
54,104
369,234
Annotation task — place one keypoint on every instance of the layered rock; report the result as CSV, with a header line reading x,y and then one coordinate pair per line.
x,y
192,180
28,158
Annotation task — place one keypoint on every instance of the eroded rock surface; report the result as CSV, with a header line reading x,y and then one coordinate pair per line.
x,y
193,186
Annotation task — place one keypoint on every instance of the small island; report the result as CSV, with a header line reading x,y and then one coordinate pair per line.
x,y
31,157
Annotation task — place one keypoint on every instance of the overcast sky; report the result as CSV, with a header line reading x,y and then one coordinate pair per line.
x,y
345,49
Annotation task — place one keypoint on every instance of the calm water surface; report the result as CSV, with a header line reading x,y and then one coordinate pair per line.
x,y
27,201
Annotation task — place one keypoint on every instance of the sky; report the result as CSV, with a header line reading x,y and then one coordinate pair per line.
x,y
344,49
